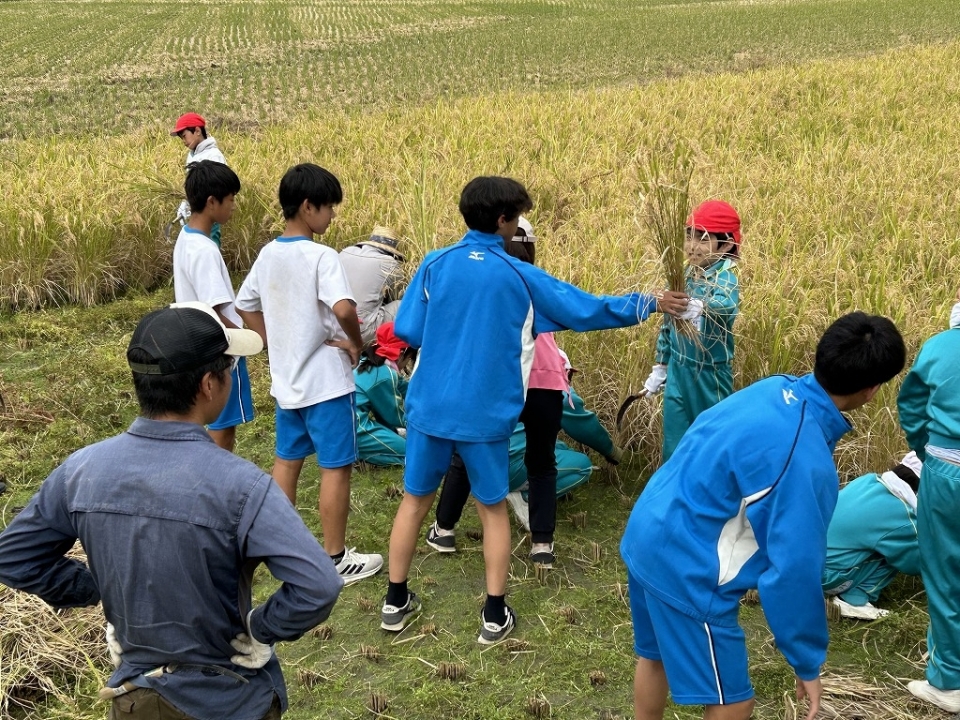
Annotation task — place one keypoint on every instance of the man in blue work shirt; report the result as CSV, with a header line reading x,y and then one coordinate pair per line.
x,y
173,528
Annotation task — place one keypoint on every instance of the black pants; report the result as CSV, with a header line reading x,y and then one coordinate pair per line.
x,y
541,417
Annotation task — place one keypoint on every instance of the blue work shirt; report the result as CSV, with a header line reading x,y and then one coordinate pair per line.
x,y
173,528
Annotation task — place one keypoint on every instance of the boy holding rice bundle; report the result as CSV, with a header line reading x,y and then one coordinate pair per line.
x,y
696,373
508,303
744,503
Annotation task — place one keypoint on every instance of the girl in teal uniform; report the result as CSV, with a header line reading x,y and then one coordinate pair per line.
x,y
381,388
698,372
929,405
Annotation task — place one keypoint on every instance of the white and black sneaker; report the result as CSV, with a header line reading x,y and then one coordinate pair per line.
x,y
395,618
491,633
441,540
542,554
354,566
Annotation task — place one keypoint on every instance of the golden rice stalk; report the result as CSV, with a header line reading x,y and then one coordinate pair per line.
x,y
44,651
665,175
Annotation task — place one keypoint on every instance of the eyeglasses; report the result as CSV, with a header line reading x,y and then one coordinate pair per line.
x,y
706,235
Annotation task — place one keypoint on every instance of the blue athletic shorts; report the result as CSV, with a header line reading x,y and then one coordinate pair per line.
x,y
328,429
239,407
705,664
428,457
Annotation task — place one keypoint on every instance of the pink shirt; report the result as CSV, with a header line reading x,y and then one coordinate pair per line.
x,y
548,371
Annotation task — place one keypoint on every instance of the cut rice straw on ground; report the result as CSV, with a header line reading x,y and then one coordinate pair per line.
x,y
44,651
848,696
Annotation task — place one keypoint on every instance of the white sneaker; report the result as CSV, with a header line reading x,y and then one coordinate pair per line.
x,y
948,700
521,509
354,566
859,612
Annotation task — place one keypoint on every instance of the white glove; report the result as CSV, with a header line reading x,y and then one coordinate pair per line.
x,y
693,311
252,653
113,646
955,316
657,379
402,432
183,212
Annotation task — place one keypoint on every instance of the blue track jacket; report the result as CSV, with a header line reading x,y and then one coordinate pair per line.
x,y
474,312
745,502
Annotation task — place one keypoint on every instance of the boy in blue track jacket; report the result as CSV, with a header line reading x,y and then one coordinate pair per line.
x,y
475,409
872,537
743,503
929,405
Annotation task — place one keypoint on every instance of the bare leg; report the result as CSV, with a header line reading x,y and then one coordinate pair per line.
x,y
286,473
735,711
496,545
334,507
649,690
225,438
406,531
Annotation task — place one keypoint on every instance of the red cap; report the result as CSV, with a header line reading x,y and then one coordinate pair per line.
x,y
388,344
188,120
716,216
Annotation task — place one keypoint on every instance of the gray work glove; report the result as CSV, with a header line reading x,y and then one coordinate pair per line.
x,y
657,379
113,646
251,653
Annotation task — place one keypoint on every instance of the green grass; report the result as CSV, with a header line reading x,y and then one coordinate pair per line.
x,y
94,68
65,384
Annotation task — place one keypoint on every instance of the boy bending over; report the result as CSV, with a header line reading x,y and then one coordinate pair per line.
x,y
743,503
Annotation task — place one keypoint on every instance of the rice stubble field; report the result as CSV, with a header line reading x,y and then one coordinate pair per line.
x,y
834,143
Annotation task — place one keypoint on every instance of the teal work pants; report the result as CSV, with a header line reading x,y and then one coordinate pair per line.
x,y
379,445
691,389
939,536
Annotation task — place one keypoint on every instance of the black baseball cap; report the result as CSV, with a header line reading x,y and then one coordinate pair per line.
x,y
186,336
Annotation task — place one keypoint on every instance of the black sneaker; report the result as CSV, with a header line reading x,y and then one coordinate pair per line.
x,y
395,618
445,543
542,554
491,633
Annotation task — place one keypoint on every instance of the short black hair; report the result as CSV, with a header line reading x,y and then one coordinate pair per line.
x,y
307,181
484,199
175,393
206,179
858,351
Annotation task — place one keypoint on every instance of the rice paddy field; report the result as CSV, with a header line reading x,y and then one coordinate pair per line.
x,y
830,125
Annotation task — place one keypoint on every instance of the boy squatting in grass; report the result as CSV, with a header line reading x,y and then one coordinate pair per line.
x,y
508,302
199,274
191,128
173,528
929,405
744,503
872,537
298,299
698,372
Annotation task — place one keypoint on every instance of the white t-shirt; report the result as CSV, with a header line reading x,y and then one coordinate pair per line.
x,y
295,283
199,273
